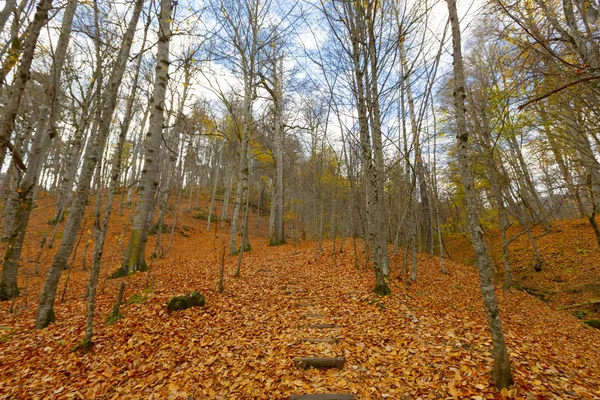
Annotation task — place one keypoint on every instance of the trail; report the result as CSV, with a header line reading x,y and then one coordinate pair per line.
x,y
428,342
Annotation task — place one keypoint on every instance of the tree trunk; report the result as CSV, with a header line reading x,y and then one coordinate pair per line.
x,y
242,181
45,131
135,258
101,236
225,211
9,6
21,78
501,373
45,313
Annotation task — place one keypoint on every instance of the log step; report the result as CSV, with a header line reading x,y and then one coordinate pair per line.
x,y
324,396
324,340
304,316
292,291
322,326
304,304
319,363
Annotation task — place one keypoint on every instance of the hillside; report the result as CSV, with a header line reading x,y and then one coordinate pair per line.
x,y
430,341
570,273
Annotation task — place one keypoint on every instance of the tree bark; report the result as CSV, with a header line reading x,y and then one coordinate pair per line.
x,y
501,373
135,257
21,78
45,131
45,313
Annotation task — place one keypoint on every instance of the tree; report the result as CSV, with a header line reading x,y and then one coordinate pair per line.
x,y
22,199
501,373
45,313
135,258
22,75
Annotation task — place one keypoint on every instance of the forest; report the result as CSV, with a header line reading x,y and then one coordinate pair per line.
x,y
299,199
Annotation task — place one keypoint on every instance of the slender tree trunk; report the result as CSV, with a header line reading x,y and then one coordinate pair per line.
x,y
45,313
21,78
245,241
501,373
45,131
214,191
101,237
9,6
277,234
135,258
225,211
242,176
65,187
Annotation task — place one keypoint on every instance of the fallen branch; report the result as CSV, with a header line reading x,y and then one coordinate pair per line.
x,y
585,303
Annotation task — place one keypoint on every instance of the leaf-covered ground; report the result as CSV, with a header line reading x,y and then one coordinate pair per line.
x,y
430,341
571,268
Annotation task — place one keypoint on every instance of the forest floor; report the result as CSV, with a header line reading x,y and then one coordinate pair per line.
x,y
429,341
571,263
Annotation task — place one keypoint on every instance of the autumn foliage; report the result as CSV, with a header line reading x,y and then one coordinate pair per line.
x,y
430,341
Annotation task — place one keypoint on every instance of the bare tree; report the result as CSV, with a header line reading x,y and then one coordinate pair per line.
x,y
501,374
45,313
135,258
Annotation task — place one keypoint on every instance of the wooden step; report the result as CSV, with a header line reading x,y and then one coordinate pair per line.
x,y
324,340
323,396
322,326
304,304
319,363
292,291
304,316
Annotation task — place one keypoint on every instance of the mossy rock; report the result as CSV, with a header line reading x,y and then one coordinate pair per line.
x,y
594,323
194,299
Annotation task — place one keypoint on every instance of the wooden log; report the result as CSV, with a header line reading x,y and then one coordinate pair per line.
x,y
319,363
292,291
304,304
322,326
304,316
323,396
324,340
585,303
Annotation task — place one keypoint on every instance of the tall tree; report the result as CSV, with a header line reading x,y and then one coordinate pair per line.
x,y
135,258
22,75
501,373
22,199
45,313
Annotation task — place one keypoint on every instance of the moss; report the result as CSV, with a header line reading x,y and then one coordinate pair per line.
x,y
201,214
119,273
154,229
136,298
194,299
113,318
580,314
83,346
382,290
594,323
